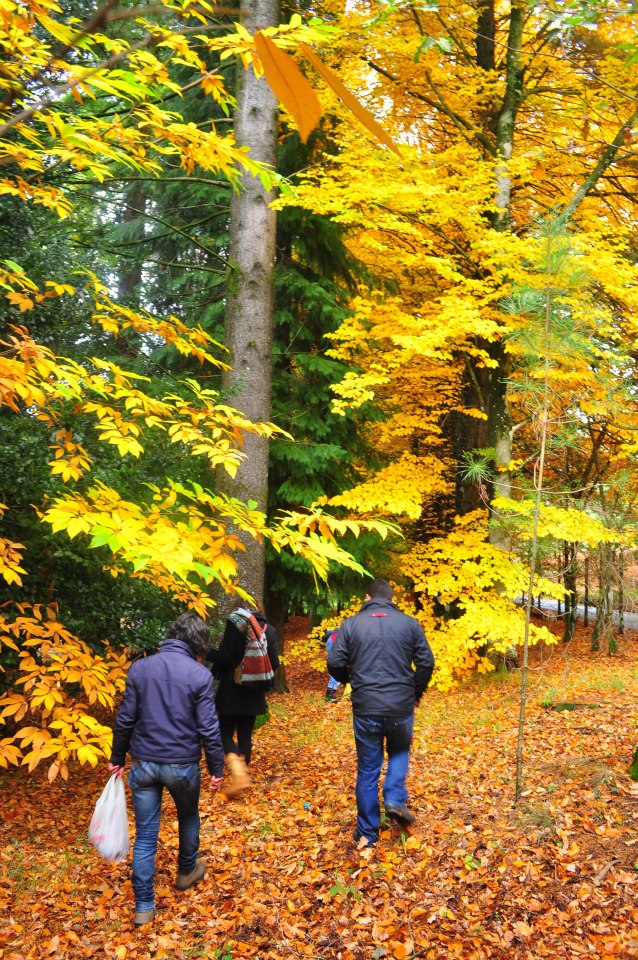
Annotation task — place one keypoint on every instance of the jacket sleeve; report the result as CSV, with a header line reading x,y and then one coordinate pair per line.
x,y
208,728
273,653
125,721
338,658
423,659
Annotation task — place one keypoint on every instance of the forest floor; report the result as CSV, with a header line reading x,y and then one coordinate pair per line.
x,y
555,877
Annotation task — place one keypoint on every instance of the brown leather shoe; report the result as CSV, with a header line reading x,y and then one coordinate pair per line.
x,y
142,917
186,880
400,814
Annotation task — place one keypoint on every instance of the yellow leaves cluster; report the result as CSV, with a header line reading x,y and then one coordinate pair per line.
x,y
59,680
478,583
180,540
70,459
30,375
561,523
313,536
37,128
10,557
399,490
169,542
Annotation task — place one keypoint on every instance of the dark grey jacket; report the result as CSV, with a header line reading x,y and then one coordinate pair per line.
x,y
374,651
167,712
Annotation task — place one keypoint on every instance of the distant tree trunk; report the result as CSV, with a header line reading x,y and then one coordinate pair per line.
x,y
604,628
132,223
571,599
621,594
277,612
250,292
586,617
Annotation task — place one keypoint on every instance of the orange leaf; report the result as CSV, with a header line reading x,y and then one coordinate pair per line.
x,y
289,85
350,101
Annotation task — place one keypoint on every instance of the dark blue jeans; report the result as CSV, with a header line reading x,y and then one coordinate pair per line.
x,y
147,781
371,735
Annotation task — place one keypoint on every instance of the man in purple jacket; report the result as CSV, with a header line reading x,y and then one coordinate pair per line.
x,y
166,716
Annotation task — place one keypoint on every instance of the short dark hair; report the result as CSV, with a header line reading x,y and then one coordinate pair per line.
x,y
190,628
380,590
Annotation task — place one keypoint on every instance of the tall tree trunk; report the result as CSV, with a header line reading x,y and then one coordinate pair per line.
x,y
277,612
604,628
499,417
250,294
130,270
620,566
571,599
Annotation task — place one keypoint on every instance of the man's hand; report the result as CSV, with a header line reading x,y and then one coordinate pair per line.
x,y
215,782
116,768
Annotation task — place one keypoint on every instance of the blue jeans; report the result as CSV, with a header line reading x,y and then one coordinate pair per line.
x,y
147,781
371,735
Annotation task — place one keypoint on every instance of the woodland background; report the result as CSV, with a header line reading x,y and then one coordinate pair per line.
x,y
292,296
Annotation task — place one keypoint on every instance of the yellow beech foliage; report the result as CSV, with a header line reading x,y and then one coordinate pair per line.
x,y
561,523
478,583
490,147
398,490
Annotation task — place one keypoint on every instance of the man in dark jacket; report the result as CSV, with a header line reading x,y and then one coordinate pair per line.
x,y
166,715
374,651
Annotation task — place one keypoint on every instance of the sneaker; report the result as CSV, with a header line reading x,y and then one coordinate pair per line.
x,y
142,917
186,880
400,814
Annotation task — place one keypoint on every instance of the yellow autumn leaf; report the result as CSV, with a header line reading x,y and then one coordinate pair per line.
x,y
289,85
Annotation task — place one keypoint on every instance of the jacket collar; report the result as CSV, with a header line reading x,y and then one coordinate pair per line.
x,y
176,646
377,602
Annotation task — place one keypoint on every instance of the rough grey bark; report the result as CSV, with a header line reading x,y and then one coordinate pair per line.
x,y
499,418
603,631
249,313
506,120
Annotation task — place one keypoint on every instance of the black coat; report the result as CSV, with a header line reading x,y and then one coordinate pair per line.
x,y
232,699
374,651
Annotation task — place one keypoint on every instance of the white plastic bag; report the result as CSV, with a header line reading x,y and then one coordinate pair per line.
x,y
108,830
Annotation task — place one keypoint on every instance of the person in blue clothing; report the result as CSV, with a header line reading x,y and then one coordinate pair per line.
x,y
385,656
167,714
